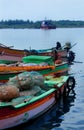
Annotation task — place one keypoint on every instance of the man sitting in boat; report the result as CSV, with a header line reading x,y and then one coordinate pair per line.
x,y
67,46
58,46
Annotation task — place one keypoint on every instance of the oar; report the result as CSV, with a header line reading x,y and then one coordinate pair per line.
x,y
73,45
63,47
77,62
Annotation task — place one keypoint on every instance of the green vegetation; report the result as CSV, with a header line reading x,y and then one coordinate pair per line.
x,y
37,24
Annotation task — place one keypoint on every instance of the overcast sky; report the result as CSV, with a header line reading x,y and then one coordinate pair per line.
x,y
39,9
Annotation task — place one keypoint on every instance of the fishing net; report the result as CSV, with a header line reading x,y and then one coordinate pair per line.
x,y
32,92
21,99
37,78
23,84
23,81
26,80
8,92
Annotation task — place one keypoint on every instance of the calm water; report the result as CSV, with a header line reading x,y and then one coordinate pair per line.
x,y
68,115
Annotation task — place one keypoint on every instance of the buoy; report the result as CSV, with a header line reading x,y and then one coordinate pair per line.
x,y
58,61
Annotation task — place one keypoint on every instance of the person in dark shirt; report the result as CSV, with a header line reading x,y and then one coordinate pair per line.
x,y
58,46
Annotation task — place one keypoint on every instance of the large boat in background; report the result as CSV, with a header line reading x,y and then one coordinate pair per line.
x,y
47,24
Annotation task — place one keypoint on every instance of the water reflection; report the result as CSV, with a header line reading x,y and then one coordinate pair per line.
x,y
58,112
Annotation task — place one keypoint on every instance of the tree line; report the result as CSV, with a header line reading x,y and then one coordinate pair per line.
x,y
37,24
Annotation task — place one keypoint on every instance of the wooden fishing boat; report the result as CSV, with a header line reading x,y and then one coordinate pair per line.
x,y
43,64
61,54
10,55
28,105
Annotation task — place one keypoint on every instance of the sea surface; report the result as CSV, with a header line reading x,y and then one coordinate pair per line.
x,y
67,114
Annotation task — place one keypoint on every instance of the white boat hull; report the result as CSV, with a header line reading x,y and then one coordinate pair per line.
x,y
24,117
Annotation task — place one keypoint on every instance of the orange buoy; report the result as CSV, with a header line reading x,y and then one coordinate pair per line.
x,y
58,61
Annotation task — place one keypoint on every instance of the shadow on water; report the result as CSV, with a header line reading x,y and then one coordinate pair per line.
x,y
53,118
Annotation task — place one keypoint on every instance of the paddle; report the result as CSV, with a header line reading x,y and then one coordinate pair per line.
x,y
64,46
73,45
55,48
77,62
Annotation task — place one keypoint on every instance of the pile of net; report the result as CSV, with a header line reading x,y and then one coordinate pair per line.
x,y
26,83
8,92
